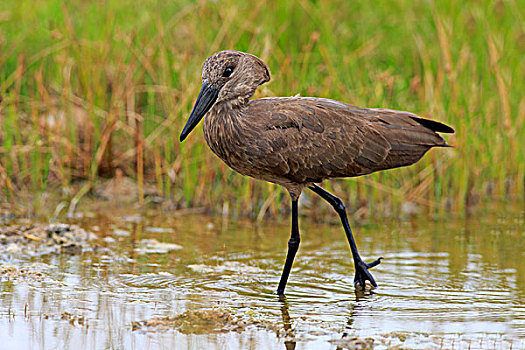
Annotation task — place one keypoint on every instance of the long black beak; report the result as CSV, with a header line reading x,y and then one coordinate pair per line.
x,y
205,101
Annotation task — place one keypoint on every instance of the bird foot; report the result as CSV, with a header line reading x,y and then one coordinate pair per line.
x,y
362,274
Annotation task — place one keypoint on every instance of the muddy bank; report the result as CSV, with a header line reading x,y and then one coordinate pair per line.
x,y
35,239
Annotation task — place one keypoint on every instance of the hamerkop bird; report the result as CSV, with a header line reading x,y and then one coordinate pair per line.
x,y
297,142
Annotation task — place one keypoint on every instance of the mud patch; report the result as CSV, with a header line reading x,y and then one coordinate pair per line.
x,y
354,343
38,239
194,322
12,273
205,321
152,246
227,266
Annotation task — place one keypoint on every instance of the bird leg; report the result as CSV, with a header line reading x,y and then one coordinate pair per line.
x,y
293,245
361,268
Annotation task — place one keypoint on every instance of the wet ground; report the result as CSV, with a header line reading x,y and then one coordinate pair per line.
x,y
155,280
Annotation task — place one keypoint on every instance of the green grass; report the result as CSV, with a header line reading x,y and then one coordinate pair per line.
x,y
90,87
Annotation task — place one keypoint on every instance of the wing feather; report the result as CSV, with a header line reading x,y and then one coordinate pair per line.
x,y
311,139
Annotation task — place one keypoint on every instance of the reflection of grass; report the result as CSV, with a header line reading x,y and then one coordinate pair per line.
x,y
90,87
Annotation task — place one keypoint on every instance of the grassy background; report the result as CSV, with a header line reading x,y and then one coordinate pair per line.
x,y
90,89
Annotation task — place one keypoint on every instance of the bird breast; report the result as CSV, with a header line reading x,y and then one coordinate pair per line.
x,y
234,137
224,136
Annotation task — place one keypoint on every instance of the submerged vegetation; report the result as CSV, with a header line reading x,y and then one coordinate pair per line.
x,y
91,90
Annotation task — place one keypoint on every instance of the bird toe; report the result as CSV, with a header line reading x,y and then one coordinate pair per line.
x,y
362,274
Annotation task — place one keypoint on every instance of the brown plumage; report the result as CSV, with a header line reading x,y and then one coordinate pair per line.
x,y
299,141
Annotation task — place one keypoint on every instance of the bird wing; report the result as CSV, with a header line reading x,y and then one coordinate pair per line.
x,y
311,139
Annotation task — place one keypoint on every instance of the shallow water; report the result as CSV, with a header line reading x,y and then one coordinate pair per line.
x,y
447,283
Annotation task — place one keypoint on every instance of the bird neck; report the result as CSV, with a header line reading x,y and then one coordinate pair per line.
x,y
231,104
223,125
227,112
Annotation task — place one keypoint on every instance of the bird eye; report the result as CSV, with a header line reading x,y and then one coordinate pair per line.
x,y
227,72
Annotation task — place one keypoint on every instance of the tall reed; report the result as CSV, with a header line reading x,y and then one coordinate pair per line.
x,y
87,88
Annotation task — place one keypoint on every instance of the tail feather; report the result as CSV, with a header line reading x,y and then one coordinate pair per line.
x,y
409,141
434,125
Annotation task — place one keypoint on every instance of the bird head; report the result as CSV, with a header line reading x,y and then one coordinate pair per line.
x,y
227,77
